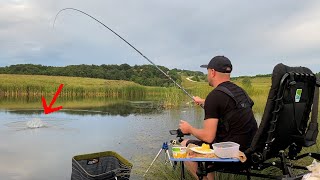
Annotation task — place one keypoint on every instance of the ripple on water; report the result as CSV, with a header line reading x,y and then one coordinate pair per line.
x,y
37,123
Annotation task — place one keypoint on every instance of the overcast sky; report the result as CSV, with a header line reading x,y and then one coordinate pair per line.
x,y
255,35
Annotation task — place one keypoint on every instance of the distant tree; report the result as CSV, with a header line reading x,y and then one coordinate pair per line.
x,y
124,67
147,75
264,75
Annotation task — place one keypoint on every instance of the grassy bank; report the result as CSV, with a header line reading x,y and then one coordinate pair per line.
x,y
30,86
27,88
38,85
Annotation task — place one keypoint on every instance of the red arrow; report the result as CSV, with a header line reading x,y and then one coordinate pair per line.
x,y
49,109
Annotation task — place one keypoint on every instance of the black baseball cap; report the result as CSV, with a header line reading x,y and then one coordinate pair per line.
x,y
219,63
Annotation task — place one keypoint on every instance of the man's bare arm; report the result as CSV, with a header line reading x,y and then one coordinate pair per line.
x,y
206,134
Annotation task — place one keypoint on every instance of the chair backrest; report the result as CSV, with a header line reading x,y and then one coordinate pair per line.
x,y
286,119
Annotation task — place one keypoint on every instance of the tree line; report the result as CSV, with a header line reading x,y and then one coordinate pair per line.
x,y
147,75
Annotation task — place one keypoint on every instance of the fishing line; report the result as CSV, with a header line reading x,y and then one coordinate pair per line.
x,y
129,45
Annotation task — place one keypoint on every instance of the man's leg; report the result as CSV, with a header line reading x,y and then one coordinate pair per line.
x,y
193,167
210,176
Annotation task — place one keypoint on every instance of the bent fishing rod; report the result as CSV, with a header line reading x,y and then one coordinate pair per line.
x,y
128,44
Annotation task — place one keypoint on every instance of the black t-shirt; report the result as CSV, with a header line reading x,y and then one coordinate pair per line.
x,y
242,125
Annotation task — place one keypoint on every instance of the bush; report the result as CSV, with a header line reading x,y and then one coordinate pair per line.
x,y
195,78
246,82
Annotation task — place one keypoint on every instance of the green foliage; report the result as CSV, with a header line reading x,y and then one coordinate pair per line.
x,y
264,75
36,85
203,78
195,78
246,82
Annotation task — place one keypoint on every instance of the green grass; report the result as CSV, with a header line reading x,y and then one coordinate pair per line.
x,y
19,86
37,85
22,86
27,89
159,170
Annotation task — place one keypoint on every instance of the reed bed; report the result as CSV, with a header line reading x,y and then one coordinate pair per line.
x,y
37,85
34,86
169,97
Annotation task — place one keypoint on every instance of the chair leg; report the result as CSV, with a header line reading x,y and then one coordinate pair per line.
x,y
286,170
248,175
182,176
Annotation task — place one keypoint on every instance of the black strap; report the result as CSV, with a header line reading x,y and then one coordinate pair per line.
x,y
227,91
312,132
249,102
247,105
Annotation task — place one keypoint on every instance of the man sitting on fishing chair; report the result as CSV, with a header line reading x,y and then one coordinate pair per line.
x,y
228,112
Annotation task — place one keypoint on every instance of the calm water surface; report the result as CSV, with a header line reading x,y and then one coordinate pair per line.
x,y
135,133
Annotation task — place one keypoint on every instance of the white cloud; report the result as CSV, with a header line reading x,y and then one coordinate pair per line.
x,y
298,33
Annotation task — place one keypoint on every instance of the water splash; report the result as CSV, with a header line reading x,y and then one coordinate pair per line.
x,y
30,123
36,123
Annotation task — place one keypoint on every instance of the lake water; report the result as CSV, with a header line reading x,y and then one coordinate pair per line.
x,y
134,132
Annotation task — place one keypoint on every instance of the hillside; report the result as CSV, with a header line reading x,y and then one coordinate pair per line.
x,y
147,75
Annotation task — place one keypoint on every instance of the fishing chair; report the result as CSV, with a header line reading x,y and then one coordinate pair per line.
x,y
286,127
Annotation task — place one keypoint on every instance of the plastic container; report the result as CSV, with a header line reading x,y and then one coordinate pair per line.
x,y
179,152
226,149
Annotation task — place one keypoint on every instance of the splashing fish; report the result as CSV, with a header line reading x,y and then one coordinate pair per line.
x,y
35,123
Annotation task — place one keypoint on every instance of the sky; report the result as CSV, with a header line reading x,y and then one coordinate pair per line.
x,y
183,34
